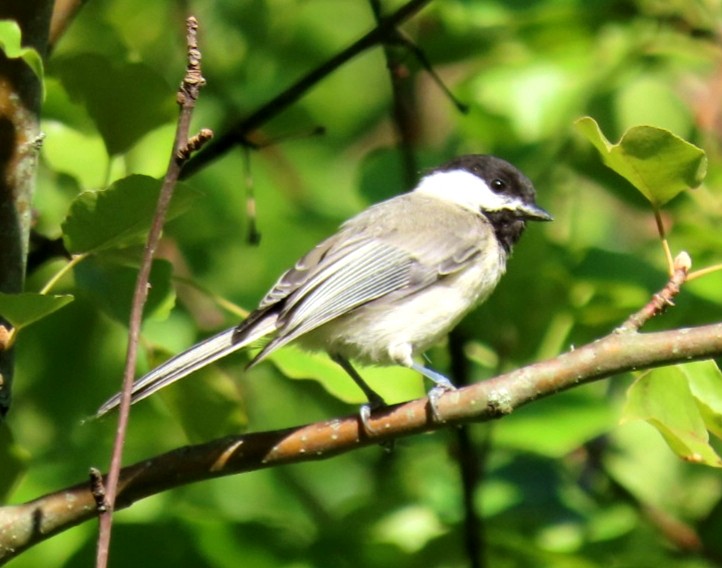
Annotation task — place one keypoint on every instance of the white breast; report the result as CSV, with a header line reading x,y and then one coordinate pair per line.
x,y
384,331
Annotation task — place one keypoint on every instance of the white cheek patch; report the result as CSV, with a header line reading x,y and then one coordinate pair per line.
x,y
465,189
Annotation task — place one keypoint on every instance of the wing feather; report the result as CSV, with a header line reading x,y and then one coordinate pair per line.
x,y
370,258
371,271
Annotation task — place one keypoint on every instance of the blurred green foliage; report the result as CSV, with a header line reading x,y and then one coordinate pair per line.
x,y
563,484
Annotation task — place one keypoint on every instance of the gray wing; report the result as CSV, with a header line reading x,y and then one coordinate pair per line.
x,y
370,258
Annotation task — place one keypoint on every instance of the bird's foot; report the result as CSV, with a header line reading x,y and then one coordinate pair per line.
x,y
434,395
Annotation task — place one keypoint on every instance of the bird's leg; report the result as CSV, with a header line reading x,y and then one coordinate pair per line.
x,y
374,398
441,385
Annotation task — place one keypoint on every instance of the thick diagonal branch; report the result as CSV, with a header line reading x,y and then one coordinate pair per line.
x,y
22,526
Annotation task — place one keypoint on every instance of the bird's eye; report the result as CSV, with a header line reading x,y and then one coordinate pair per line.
x,y
498,184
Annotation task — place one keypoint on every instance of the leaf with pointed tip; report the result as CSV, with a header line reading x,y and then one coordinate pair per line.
x,y
27,307
705,382
664,399
656,162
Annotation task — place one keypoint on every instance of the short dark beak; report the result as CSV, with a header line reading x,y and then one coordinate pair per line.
x,y
533,212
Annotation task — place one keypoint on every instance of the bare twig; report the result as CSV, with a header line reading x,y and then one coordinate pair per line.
x,y
22,526
182,146
237,134
662,299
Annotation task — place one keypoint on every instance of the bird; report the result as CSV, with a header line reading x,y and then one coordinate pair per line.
x,y
390,283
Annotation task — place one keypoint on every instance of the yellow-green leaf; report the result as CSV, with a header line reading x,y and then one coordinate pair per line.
x,y
705,382
655,161
11,44
394,384
25,308
664,399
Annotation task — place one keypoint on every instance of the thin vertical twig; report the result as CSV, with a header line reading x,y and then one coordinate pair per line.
x,y
182,148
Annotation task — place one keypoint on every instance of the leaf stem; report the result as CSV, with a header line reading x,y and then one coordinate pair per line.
x,y
12,334
74,261
704,271
665,244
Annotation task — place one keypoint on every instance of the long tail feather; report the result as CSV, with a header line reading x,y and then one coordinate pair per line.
x,y
185,363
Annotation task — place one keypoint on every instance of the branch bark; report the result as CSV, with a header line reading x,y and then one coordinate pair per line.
x,y
20,100
22,526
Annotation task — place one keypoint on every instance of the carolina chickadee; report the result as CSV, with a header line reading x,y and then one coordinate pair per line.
x,y
390,283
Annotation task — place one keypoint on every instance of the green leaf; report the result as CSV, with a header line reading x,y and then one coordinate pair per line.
x,y
119,216
394,384
664,399
125,100
655,161
25,308
11,44
705,382
110,284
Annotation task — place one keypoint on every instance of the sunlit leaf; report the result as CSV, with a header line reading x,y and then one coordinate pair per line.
x,y
11,44
655,161
705,381
27,307
394,384
664,399
119,216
